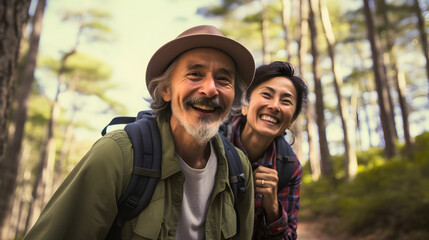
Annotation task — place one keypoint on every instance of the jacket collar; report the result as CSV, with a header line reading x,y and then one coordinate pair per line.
x,y
170,162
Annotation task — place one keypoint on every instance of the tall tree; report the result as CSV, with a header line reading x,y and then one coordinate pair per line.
x,y
397,76
350,159
302,52
380,79
286,12
313,150
265,26
297,126
326,161
423,36
20,116
88,26
14,15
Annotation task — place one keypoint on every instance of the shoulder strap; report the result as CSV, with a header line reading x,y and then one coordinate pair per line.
x,y
127,120
285,161
237,178
146,142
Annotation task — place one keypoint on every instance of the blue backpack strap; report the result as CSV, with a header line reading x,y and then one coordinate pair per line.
x,y
285,161
146,142
237,179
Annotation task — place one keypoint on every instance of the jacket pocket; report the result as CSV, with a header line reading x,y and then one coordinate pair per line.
x,y
229,219
149,221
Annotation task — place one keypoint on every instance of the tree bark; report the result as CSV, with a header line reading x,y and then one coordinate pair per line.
x,y
20,117
13,15
380,79
326,162
423,36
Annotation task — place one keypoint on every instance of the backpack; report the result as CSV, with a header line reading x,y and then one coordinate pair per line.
x,y
143,132
285,157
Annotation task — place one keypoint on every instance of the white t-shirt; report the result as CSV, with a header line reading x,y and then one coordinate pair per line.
x,y
197,189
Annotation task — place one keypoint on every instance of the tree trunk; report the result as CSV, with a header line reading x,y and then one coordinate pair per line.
x,y
43,184
286,10
265,24
397,77
20,117
380,79
313,160
326,162
423,36
350,160
14,15
297,127
65,147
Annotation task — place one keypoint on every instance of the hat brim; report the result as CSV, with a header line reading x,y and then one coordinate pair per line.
x,y
162,58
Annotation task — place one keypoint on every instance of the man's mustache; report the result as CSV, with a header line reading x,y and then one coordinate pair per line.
x,y
210,102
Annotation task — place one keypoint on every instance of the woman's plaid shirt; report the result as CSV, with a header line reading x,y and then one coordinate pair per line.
x,y
285,227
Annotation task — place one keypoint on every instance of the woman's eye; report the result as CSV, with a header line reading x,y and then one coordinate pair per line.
x,y
266,95
287,101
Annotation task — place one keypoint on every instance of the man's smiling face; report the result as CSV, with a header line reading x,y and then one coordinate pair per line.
x,y
201,91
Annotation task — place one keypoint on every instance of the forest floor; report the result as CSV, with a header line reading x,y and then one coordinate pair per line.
x,y
314,230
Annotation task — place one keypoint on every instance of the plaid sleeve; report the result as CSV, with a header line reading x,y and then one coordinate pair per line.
x,y
285,227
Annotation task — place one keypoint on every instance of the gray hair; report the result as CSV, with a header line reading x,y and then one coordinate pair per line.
x,y
162,109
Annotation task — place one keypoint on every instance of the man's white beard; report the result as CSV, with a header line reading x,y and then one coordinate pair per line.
x,y
203,132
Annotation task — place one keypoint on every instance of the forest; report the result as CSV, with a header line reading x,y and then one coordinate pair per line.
x,y
362,139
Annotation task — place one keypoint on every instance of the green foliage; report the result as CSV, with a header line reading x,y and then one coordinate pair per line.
x,y
387,195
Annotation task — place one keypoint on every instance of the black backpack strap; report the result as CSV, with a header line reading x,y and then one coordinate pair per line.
x,y
127,120
237,178
285,161
116,121
146,141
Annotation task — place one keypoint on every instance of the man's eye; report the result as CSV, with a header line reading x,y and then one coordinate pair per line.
x,y
194,75
225,79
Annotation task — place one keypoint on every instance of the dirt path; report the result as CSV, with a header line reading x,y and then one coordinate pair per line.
x,y
312,231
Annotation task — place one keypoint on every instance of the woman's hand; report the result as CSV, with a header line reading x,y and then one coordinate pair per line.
x,y
265,181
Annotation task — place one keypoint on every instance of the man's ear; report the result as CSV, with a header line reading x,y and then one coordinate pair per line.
x,y
166,94
244,110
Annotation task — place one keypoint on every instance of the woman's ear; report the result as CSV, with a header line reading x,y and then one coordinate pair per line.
x,y
244,110
166,94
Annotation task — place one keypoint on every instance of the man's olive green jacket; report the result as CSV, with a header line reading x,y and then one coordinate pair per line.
x,y
85,204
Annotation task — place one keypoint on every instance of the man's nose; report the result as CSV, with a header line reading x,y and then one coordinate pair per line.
x,y
208,87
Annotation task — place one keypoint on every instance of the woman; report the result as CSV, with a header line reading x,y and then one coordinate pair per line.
x,y
273,102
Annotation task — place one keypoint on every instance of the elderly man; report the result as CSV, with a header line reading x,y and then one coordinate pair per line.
x,y
193,80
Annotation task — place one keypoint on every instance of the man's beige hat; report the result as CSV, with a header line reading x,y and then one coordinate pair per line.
x,y
196,37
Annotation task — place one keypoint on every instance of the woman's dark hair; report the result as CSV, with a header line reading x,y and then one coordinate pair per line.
x,y
281,69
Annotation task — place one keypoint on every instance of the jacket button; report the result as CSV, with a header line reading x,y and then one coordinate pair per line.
x,y
176,198
180,178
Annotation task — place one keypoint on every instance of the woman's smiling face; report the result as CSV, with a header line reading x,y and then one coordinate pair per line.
x,y
271,107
